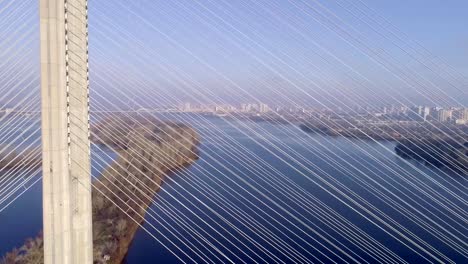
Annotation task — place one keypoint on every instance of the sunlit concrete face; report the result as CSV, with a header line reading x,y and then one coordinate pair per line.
x,y
65,132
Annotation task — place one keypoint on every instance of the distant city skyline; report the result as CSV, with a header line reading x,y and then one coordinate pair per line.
x,y
421,113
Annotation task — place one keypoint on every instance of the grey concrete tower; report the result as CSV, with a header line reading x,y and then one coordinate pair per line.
x,y
65,132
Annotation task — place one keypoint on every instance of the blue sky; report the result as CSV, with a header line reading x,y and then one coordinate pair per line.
x,y
263,46
440,26
270,47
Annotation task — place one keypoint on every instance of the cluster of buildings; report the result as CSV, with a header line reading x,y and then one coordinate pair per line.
x,y
246,108
260,108
454,115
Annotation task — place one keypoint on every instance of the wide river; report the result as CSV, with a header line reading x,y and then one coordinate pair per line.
x,y
255,181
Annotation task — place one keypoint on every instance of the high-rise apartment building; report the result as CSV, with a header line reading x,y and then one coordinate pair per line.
x,y
445,115
264,108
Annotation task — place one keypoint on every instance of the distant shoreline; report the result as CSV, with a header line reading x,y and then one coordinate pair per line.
x,y
441,153
438,153
356,134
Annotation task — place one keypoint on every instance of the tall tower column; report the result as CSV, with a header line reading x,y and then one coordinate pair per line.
x,y
65,132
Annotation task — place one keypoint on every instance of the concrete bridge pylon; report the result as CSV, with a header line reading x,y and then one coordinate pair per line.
x,y
65,132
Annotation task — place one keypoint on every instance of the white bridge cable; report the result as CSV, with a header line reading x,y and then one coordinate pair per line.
x,y
402,40
380,31
271,141
201,193
15,44
16,175
114,139
22,131
20,76
93,166
194,177
288,66
191,177
435,61
330,77
370,53
20,116
15,83
134,220
122,176
17,119
17,157
19,64
178,218
16,127
367,50
231,154
14,178
26,175
13,17
201,229
400,46
17,74
19,174
130,98
23,162
10,178
19,185
22,193
165,225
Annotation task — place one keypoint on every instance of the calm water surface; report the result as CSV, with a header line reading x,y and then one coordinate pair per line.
x,y
222,170
318,156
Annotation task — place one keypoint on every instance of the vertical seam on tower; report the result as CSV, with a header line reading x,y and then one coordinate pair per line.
x,y
87,78
67,81
67,74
